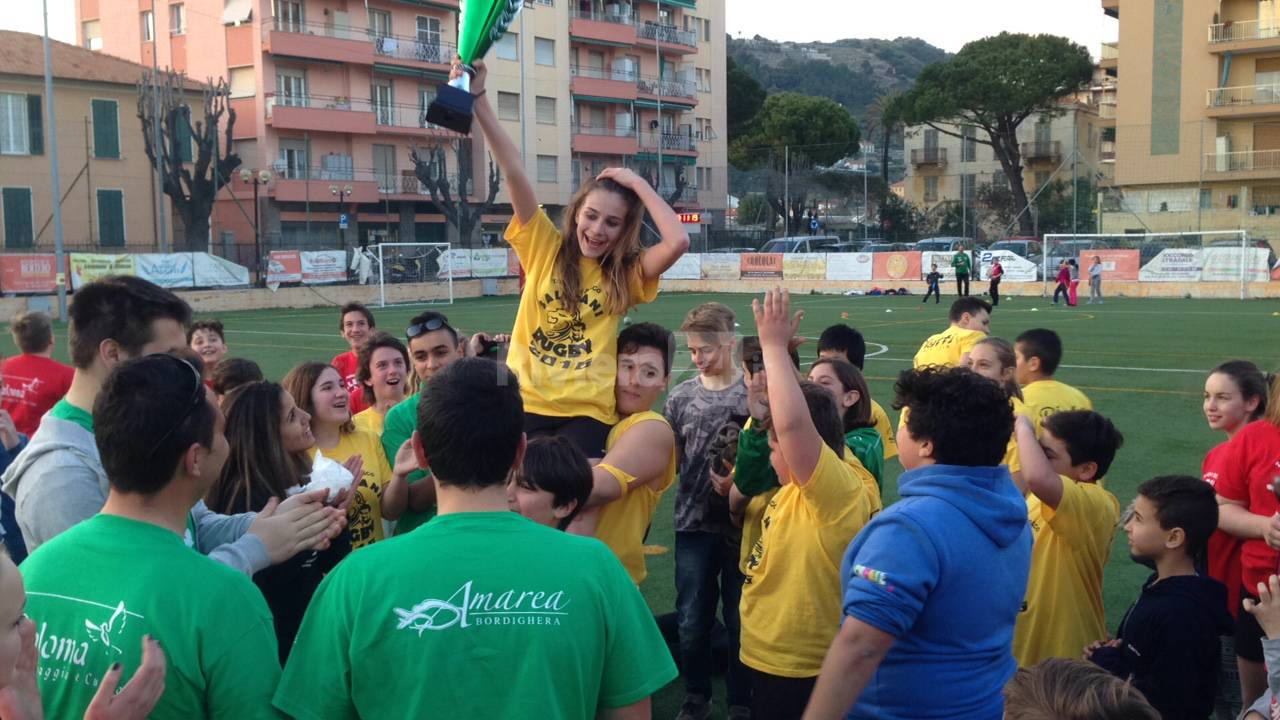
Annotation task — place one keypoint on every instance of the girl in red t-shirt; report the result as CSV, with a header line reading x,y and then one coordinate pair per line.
x,y
1243,471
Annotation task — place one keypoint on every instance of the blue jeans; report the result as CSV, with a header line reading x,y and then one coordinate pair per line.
x,y
707,571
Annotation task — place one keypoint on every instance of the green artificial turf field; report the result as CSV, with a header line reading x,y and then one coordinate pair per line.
x,y
1142,362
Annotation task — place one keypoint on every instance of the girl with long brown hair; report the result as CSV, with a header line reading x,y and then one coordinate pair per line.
x,y
580,280
268,436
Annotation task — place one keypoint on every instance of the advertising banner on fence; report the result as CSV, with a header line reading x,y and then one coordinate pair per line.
x,y
1225,264
721,266
804,266
849,266
87,267
1116,264
761,265
1171,265
1016,268
27,274
168,270
213,271
897,266
323,266
488,262
943,259
688,267
456,264
283,266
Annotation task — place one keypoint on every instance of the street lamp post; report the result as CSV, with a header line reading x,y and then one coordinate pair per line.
x,y
257,178
342,193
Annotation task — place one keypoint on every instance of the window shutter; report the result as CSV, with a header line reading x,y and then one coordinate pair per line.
x,y
17,218
35,125
106,130
182,132
111,218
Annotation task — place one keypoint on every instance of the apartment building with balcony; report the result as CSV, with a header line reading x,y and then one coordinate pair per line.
x,y
330,97
1197,143
949,167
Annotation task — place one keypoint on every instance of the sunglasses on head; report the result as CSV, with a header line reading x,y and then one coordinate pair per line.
x,y
430,325
197,397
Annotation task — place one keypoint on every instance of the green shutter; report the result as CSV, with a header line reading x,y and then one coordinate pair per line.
x,y
182,131
17,218
111,218
35,125
106,129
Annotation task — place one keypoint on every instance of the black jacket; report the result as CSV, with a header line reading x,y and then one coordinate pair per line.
x,y
1169,644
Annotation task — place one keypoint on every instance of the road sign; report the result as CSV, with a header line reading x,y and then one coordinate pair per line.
x,y
342,221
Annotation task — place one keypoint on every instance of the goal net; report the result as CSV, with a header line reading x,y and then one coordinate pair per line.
x,y
424,264
1224,256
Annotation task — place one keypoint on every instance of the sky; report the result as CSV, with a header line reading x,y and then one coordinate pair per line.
x,y
948,24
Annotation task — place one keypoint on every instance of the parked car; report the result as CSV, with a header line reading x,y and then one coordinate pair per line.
x,y
886,247
843,247
802,244
1071,250
943,244
1028,248
1261,244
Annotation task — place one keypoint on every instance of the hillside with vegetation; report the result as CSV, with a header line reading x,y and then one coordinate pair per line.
x,y
853,72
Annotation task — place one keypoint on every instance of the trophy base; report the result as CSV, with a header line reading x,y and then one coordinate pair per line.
x,y
452,109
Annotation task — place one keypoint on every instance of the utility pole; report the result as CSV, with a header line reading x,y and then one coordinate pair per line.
x,y
60,266
657,53
786,191
162,241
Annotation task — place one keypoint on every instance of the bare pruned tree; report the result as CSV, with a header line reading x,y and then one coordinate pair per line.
x,y
431,167
193,165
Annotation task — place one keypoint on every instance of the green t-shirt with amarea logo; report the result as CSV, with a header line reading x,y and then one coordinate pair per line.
x,y
94,591
475,615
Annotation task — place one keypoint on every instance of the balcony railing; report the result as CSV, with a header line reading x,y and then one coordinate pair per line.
x,y
1107,150
666,87
342,32
929,156
1244,95
1041,150
669,141
667,33
318,102
403,115
602,131
1243,30
615,13
1246,161
603,73
1109,51
1107,109
404,47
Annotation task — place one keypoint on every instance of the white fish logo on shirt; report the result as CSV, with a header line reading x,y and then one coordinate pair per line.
x,y
102,633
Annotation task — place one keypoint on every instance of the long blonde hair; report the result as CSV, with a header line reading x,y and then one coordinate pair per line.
x,y
616,266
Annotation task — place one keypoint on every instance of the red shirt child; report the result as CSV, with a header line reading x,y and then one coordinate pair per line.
x,y
32,385
1223,555
348,364
1247,464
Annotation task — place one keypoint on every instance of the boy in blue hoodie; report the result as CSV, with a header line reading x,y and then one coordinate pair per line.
x,y
933,584
1168,640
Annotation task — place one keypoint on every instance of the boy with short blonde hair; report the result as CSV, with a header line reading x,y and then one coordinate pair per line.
x,y
707,541
970,319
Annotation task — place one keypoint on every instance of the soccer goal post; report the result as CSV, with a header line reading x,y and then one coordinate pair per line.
x,y
1183,257
427,264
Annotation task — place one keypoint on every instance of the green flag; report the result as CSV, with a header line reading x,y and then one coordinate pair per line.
x,y
481,24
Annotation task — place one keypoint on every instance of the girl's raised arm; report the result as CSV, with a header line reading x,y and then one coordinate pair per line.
x,y
523,201
675,241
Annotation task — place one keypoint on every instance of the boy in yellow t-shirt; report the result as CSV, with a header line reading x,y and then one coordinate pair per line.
x,y
970,322
791,601
846,343
640,456
1039,352
1073,522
